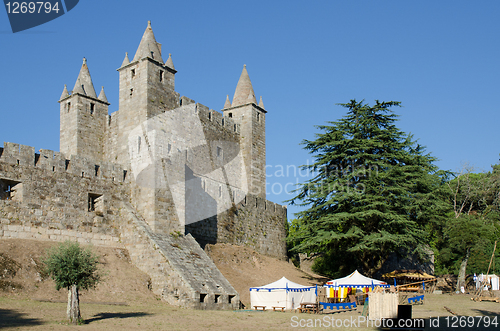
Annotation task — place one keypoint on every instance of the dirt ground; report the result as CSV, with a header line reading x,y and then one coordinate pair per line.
x,y
245,268
28,301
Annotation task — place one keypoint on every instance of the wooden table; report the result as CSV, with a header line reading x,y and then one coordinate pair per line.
x,y
280,308
263,308
308,307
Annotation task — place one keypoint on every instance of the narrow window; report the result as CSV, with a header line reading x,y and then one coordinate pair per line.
x,y
230,115
152,55
92,107
161,75
131,91
10,190
66,163
220,191
96,170
235,128
139,144
96,203
217,298
68,106
219,152
124,175
258,117
222,122
210,115
169,148
132,72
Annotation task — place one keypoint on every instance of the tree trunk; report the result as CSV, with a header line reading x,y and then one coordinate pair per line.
x,y
68,307
461,274
75,305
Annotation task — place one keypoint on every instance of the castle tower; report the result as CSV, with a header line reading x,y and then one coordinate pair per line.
x,y
146,89
252,120
83,118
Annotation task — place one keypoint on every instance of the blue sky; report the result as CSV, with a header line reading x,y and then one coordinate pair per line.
x,y
441,59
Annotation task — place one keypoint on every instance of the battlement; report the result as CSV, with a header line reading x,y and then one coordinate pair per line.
x,y
260,204
22,155
205,113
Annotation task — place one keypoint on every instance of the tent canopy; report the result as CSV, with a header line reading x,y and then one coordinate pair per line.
x,y
282,293
411,275
281,284
355,280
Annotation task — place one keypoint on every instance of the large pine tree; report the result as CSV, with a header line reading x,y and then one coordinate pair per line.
x,y
374,192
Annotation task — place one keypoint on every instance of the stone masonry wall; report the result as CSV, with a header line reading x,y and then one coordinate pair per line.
x,y
257,223
254,222
45,196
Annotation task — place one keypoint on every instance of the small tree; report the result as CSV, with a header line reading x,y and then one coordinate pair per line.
x,y
74,268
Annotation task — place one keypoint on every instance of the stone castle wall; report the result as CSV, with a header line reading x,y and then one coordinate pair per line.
x,y
46,196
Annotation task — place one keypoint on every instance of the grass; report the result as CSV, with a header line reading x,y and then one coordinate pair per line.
x,y
22,314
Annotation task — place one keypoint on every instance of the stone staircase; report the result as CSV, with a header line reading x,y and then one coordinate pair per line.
x,y
181,272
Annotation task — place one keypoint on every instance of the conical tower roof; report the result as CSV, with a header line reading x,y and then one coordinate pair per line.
x,y
148,46
83,83
227,104
125,60
261,104
244,91
169,62
65,93
102,95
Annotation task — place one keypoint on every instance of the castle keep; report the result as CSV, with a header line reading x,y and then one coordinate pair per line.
x,y
162,177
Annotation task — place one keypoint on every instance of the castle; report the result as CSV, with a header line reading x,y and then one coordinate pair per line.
x,y
162,177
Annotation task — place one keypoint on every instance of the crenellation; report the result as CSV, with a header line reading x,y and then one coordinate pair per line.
x,y
18,154
184,101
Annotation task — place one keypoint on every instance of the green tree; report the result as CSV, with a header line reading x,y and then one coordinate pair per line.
x,y
374,192
473,226
74,268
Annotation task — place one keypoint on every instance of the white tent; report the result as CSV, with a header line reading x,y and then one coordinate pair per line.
x,y
282,293
493,280
354,282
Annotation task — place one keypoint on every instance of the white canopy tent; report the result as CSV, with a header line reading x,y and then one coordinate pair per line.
x,y
355,282
282,293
